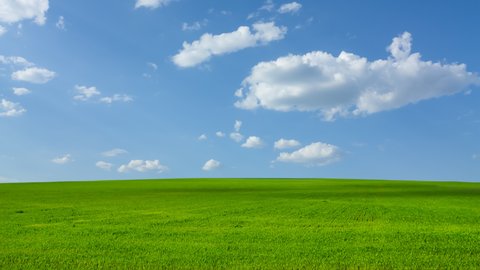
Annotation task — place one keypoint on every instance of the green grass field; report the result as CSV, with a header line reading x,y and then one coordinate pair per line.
x,y
240,223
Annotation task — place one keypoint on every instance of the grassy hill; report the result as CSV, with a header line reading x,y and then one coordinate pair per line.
x,y
240,223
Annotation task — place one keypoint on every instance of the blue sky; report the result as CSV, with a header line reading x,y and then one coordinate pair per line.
x,y
163,89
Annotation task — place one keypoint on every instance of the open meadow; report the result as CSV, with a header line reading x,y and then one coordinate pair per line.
x,y
240,223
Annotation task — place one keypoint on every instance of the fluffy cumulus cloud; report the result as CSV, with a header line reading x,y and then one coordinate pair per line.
x,y
202,137
220,134
13,11
63,159
10,109
210,45
211,164
350,85
114,152
104,165
152,4
33,75
253,142
315,154
142,166
21,91
84,93
290,7
284,143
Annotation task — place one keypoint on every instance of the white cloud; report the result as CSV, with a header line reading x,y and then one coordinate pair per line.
x,y
267,6
10,109
104,165
283,144
15,61
211,164
152,65
292,7
62,160
13,11
194,26
202,137
33,75
236,136
239,93
209,45
85,93
114,152
3,30
237,125
60,23
220,134
152,4
253,142
351,85
116,98
314,154
142,166
20,91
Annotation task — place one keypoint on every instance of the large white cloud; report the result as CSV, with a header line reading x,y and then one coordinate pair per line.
x,y
348,84
12,11
317,153
33,75
153,4
253,142
284,143
209,45
290,7
10,109
142,166
211,164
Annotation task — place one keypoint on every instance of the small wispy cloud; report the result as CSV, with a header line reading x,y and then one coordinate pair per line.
x,y
60,23
104,165
63,159
114,152
194,26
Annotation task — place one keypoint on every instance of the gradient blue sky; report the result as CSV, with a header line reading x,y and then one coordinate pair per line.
x,y
106,75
